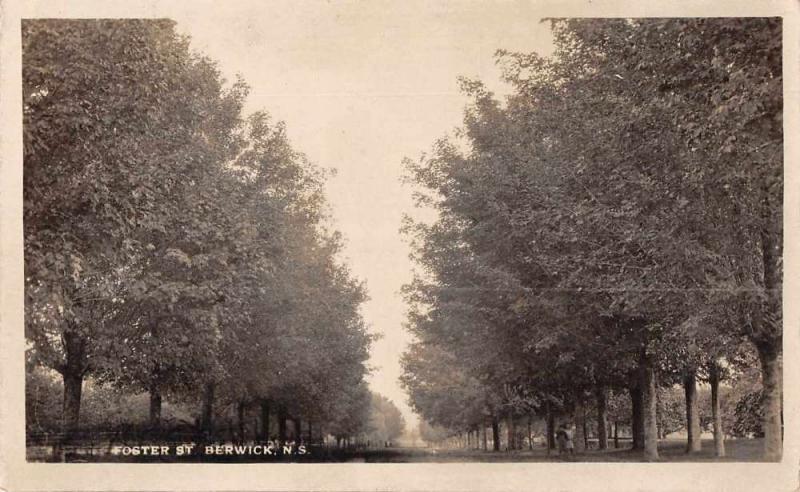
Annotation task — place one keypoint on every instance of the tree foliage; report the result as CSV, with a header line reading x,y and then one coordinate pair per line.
x,y
173,244
614,222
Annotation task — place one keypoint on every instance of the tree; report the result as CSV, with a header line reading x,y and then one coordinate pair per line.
x,y
102,149
432,434
386,422
670,408
722,91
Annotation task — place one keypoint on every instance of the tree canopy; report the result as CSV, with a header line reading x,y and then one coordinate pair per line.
x,y
173,244
614,222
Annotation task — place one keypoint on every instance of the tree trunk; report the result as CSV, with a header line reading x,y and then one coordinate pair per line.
x,y
264,420
616,435
155,406
768,330
580,421
771,381
716,411
207,418
72,373
530,440
550,429
693,444
73,387
155,390
495,434
649,407
282,424
585,430
637,416
510,430
298,426
485,440
602,418
240,411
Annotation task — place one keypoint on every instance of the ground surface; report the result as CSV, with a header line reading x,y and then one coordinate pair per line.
x,y
670,451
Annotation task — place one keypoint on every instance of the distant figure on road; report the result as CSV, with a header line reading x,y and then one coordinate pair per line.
x,y
570,445
564,440
561,440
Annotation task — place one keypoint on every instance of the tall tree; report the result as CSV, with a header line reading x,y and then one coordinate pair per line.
x,y
114,111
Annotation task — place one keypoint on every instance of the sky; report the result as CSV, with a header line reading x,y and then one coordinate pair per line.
x,y
360,86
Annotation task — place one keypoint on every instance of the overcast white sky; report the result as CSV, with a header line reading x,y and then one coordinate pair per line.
x,y
361,86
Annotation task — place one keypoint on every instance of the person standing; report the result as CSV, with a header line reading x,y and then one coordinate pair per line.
x,y
561,439
569,445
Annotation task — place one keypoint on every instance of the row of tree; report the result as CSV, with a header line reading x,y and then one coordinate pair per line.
x,y
110,413
740,409
614,225
173,245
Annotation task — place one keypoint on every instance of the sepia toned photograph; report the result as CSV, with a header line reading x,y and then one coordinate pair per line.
x,y
374,233
594,255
